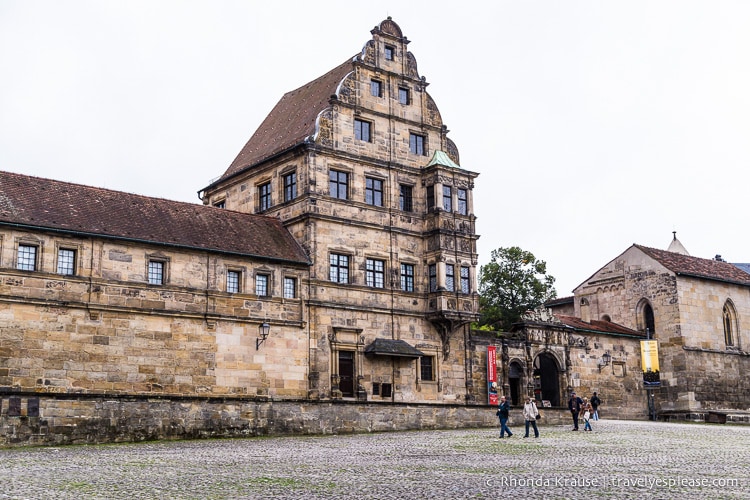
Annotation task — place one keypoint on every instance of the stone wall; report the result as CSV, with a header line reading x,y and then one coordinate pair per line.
x,y
30,419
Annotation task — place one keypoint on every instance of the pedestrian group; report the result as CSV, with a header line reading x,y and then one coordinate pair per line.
x,y
579,408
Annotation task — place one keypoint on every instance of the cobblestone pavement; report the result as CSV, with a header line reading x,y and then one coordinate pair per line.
x,y
620,459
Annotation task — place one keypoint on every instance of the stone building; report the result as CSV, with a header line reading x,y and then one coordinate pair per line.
x,y
328,278
358,166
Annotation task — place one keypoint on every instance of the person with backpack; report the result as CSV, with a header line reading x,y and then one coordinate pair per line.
x,y
503,412
574,405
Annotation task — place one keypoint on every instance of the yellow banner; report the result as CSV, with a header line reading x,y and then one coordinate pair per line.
x,y
649,356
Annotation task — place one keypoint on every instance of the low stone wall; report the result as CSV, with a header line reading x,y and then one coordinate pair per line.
x,y
60,419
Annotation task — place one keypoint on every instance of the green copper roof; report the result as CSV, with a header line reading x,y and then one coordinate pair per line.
x,y
441,158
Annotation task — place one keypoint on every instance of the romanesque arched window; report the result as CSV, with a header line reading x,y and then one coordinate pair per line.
x,y
729,319
645,319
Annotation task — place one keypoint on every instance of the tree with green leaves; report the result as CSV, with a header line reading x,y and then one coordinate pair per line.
x,y
512,283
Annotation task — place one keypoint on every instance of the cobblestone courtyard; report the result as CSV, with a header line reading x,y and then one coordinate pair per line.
x,y
620,459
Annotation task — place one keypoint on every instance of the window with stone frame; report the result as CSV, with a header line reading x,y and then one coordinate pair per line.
x,y
376,88
407,277
729,321
233,281
447,198
362,130
432,272
450,279
403,96
156,272
462,198
405,198
264,196
430,197
417,144
427,368
66,261
262,285
374,191
26,260
390,52
375,273
338,184
465,280
290,287
338,270
290,186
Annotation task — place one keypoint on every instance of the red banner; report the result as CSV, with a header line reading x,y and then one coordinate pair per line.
x,y
492,375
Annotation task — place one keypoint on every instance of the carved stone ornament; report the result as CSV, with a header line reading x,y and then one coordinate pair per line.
x,y
542,315
575,341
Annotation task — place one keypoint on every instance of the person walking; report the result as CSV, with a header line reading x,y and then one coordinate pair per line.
x,y
574,405
530,414
503,412
587,411
595,402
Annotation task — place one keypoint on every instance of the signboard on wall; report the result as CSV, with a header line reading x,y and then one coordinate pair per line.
x,y
650,363
492,397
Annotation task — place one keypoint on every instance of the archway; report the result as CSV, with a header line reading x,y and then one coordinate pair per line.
x,y
515,376
547,379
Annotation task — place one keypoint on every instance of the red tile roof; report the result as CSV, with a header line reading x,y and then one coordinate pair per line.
x,y
292,120
696,267
40,203
598,326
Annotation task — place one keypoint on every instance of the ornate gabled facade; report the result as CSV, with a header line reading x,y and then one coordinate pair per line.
x,y
358,166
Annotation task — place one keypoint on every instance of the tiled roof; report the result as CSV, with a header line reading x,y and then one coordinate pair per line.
x,y
560,301
292,120
697,267
73,208
597,326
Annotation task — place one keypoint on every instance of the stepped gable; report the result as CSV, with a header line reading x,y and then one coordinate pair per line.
x,y
291,121
38,203
696,267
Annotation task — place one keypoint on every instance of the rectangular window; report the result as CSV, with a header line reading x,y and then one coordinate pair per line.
x,y
447,198
261,285
375,273
155,272
290,288
433,277
405,198
376,88
430,197
376,389
465,280
426,368
449,278
264,195
403,95
221,204
26,258
362,130
233,281
338,184
386,390
290,186
463,207
416,144
407,277
374,192
66,261
339,268
389,52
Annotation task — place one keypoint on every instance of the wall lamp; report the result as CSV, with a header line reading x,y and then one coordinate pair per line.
x,y
263,330
606,360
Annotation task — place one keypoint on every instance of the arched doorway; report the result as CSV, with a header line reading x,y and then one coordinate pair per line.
x,y
547,379
515,376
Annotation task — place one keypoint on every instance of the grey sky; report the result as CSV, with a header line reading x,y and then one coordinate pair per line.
x,y
593,125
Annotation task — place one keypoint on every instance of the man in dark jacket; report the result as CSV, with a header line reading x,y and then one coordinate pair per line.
x,y
503,412
574,405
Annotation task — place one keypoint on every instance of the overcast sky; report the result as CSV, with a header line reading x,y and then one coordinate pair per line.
x,y
593,124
